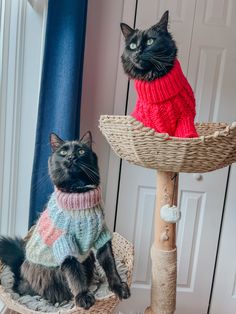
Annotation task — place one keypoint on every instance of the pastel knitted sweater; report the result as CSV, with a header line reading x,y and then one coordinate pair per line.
x,y
167,104
71,225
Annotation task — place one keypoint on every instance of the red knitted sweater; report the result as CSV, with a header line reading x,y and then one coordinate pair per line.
x,y
167,104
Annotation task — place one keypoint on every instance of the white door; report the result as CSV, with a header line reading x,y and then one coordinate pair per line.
x,y
224,290
205,35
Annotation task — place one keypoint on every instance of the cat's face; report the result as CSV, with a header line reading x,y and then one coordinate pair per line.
x,y
73,165
148,54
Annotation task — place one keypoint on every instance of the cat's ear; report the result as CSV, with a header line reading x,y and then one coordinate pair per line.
x,y
126,30
55,141
87,139
163,23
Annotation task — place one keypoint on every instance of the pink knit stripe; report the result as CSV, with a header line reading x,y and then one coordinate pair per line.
x,y
76,201
48,232
162,88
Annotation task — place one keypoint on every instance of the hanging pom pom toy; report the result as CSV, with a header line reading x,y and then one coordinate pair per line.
x,y
170,214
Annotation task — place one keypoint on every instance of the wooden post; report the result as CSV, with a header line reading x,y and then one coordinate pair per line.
x,y
163,252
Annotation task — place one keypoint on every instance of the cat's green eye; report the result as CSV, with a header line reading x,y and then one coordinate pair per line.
x,y
81,151
150,41
63,152
133,46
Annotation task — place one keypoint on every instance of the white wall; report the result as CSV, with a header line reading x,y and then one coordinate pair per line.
x,y
102,86
100,67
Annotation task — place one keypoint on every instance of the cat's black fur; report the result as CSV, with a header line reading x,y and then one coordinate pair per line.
x,y
73,167
8,246
74,172
148,62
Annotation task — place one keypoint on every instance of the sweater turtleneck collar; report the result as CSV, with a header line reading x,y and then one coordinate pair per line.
x,y
162,88
77,201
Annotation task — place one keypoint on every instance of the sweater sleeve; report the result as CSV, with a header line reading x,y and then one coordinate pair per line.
x,y
103,238
186,127
63,247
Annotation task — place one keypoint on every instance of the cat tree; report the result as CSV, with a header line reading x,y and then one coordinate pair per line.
x,y
215,148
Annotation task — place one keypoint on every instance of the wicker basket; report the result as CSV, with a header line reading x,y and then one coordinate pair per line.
x,y
215,147
122,249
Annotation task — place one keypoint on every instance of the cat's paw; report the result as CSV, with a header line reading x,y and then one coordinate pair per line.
x,y
121,290
85,300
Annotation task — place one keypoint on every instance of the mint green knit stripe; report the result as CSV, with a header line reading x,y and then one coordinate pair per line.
x,y
39,253
63,247
81,221
59,217
103,238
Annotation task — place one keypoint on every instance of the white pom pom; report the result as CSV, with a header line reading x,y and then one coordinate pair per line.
x,y
170,214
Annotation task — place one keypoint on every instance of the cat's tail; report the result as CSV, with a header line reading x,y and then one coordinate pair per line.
x,y
12,254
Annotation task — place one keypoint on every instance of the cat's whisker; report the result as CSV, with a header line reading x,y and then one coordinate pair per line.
x,y
92,173
85,167
62,177
89,175
156,64
89,168
130,67
163,61
40,182
161,65
41,170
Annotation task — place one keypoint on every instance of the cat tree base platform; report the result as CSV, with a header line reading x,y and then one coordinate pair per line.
x,y
215,148
123,250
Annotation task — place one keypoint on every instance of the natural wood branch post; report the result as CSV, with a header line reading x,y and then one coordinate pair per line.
x,y
163,252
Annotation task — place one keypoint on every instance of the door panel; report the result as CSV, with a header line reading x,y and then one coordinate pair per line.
x,y
212,63
181,16
135,222
201,202
224,292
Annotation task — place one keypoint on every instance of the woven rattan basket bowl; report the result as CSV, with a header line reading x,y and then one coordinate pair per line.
x,y
121,248
215,147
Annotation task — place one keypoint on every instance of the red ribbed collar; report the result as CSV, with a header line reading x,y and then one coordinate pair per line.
x,y
76,201
162,88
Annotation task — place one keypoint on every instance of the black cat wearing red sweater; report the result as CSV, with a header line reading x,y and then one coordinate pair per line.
x,y
165,99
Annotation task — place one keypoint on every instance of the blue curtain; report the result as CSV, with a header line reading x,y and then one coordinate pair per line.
x,y
60,93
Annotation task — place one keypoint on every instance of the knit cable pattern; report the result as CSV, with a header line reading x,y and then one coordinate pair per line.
x,y
71,229
167,104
